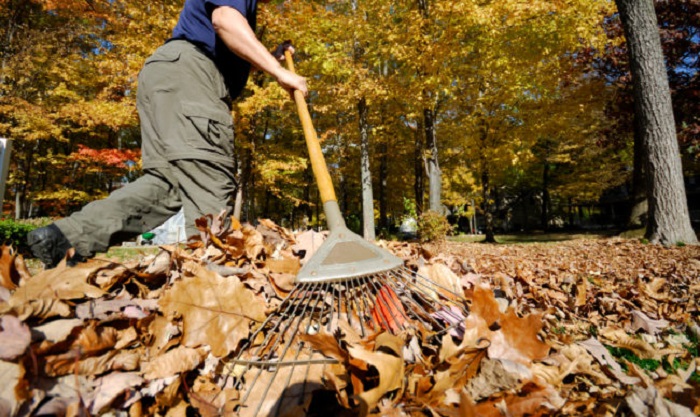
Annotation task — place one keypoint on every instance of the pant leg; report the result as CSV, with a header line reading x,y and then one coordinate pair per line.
x,y
136,208
187,135
205,188
186,121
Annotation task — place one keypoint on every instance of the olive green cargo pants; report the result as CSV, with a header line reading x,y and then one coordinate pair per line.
x,y
187,153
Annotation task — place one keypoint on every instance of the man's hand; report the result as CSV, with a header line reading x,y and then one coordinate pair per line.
x,y
291,81
287,79
284,46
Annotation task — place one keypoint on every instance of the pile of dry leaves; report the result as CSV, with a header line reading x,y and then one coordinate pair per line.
x,y
581,328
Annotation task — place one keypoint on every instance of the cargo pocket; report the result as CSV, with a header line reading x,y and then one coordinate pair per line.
x,y
209,129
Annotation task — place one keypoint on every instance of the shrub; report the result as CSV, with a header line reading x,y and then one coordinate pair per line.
x,y
433,227
14,232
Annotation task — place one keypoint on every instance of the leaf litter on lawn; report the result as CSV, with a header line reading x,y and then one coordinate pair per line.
x,y
605,327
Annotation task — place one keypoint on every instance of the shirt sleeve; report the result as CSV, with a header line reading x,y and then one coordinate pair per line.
x,y
243,6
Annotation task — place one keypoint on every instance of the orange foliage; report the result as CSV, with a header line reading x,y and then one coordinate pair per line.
x,y
116,158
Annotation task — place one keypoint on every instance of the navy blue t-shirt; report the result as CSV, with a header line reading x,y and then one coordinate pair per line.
x,y
195,26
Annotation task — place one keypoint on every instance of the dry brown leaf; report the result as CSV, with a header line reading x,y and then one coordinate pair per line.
x,y
290,389
15,337
58,330
521,334
9,277
61,283
174,362
648,402
211,400
71,363
442,276
162,333
160,265
282,283
307,243
390,369
498,376
215,311
595,348
103,308
639,347
533,400
10,375
254,245
110,275
109,387
325,343
485,306
651,326
179,410
39,308
514,338
582,293
95,340
283,266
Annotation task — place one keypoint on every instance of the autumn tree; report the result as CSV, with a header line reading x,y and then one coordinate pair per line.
x,y
515,59
69,81
669,219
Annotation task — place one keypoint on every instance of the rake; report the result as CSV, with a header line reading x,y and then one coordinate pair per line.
x,y
348,279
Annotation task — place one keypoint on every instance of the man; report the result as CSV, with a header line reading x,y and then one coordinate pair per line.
x,y
184,101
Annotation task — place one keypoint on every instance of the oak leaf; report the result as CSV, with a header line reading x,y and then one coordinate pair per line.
x,y
61,283
216,311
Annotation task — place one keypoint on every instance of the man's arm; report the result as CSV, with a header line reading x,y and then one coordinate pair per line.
x,y
233,28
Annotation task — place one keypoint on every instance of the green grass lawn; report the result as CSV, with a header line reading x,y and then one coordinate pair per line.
x,y
115,254
540,237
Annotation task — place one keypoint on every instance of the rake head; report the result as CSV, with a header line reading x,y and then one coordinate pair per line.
x,y
277,369
344,256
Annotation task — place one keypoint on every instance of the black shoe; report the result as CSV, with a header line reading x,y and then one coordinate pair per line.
x,y
49,244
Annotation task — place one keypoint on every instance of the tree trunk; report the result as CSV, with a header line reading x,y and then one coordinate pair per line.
x,y
307,206
418,169
383,177
545,197
432,166
366,174
669,219
487,195
640,208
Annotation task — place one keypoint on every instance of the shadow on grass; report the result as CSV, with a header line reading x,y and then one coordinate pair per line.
x,y
537,237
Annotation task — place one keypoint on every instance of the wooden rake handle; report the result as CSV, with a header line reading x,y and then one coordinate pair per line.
x,y
318,162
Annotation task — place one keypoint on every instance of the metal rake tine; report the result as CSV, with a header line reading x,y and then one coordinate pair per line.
x,y
428,300
339,304
420,280
286,384
298,320
290,313
367,311
383,301
417,282
270,332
